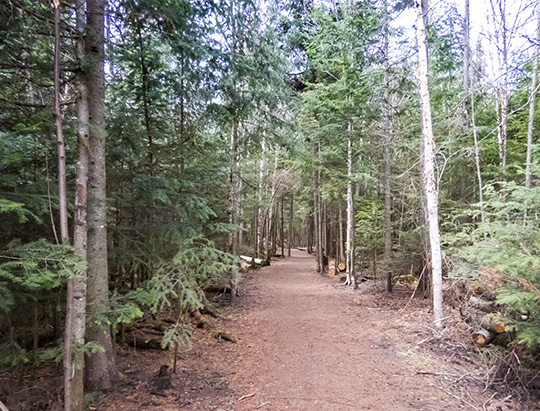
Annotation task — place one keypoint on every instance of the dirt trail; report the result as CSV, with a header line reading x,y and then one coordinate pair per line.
x,y
305,342
310,346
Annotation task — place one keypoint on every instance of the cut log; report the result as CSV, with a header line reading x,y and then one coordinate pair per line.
x,y
483,337
341,267
224,336
200,321
252,260
480,304
210,310
332,268
145,342
493,322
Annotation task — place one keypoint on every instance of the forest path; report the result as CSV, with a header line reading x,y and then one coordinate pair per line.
x,y
306,342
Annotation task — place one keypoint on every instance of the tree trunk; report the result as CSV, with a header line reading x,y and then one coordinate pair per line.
x,y
101,371
466,57
270,240
260,211
59,131
291,226
76,294
146,104
429,164
351,276
233,192
502,88
531,108
477,159
341,253
387,124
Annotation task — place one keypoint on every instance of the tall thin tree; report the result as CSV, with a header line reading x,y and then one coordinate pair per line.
x,y
101,371
76,295
428,142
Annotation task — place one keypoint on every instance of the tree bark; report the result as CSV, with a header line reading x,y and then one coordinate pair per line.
x,y
387,125
233,192
260,210
351,276
532,99
466,57
477,159
429,164
101,371
502,89
64,235
76,294
291,226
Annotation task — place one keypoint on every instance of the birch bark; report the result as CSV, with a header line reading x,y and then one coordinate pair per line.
x,y
428,142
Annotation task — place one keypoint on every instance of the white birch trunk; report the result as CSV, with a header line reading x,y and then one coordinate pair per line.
x,y
532,99
428,142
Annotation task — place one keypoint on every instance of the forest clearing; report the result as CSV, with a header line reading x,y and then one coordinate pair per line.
x,y
259,204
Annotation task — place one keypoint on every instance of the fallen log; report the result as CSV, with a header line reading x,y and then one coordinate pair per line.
x,y
210,310
480,304
341,267
252,260
224,336
493,322
332,268
483,337
145,342
200,320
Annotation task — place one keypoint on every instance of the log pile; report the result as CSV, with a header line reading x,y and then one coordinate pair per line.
x,y
332,268
486,320
255,262
146,333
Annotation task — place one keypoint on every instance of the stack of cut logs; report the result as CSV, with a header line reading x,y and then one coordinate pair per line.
x,y
333,269
485,319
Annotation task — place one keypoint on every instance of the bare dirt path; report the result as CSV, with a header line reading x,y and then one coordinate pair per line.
x,y
305,342
310,346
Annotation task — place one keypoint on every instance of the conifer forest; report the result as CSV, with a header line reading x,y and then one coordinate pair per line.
x,y
265,204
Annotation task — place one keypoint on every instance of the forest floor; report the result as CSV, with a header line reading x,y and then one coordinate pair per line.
x,y
306,342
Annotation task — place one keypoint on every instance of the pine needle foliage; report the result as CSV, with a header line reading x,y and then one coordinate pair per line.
x,y
505,249
198,265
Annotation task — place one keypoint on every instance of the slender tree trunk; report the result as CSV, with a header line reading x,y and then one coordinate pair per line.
x,y
182,139
387,124
260,210
341,256
429,163
59,131
502,88
282,229
291,226
532,99
101,371
477,159
320,249
351,276
270,232
466,57
233,193
466,66
316,222
76,294
146,104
